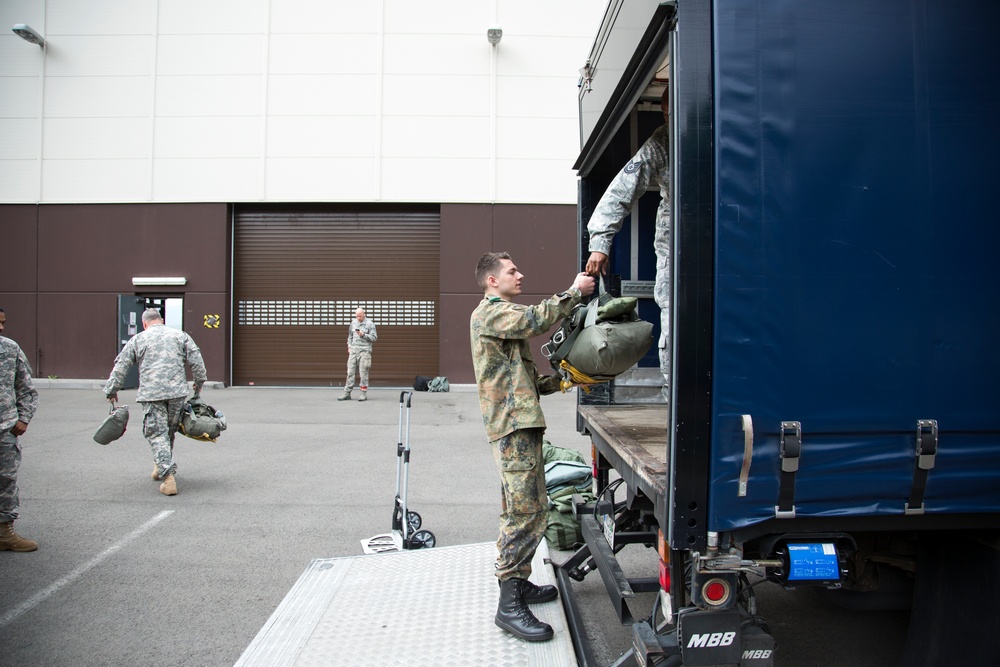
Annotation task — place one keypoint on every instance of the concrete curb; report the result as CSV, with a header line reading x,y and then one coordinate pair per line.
x,y
61,383
68,383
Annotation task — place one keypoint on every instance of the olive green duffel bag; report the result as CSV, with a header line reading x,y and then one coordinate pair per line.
x,y
200,421
113,426
601,339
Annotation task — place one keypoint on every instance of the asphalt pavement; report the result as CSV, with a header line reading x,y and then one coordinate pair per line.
x,y
126,576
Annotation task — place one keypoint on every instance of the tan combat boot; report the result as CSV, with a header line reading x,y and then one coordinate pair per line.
x,y
345,397
155,476
169,486
9,540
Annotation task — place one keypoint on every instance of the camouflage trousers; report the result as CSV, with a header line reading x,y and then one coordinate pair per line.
x,y
523,503
10,461
160,420
358,363
661,294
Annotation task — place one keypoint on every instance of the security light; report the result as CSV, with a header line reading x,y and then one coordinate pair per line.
x,y
144,281
24,31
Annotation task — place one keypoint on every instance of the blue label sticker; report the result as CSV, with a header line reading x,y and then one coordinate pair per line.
x,y
813,562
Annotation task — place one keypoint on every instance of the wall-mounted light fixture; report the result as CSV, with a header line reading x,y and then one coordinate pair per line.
x,y
25,31
141,281
494,34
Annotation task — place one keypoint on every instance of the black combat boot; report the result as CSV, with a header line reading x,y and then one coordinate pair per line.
x,y
533,594
514,616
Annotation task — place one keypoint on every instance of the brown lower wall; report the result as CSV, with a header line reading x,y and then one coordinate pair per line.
x,y
541,240
68,263
83,256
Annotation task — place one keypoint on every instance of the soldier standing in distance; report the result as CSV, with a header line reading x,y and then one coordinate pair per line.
x,y
162,354
509,388
18,402
652,162
360,336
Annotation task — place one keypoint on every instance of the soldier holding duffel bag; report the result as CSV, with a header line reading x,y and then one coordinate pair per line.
x,y
509,387
162,354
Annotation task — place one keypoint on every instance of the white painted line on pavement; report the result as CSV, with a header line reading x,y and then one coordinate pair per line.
x,y
38,598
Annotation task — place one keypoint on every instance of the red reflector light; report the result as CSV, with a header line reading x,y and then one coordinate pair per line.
x,y
715,591
664,576
593,459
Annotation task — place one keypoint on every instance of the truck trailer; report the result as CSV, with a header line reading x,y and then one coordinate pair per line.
x,y
832,409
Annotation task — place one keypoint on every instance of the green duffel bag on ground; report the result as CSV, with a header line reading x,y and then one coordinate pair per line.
x,y
113,426
563,530
566,473
440,383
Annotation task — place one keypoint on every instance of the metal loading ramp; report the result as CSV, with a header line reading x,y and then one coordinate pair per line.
x,y
418,607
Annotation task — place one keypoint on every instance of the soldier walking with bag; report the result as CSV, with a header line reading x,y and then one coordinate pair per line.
x,y
509,389
162,354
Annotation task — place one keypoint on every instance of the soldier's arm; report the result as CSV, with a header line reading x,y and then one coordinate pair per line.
x,y
616,203
123,362
513,321
25,393
196,363
547,384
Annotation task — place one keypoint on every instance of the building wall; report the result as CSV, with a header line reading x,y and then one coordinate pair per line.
x,y
540,239
62,298
297,100
142,123
19,276
60,287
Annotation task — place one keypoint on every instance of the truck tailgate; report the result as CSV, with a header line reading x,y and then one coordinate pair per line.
x,y
426,606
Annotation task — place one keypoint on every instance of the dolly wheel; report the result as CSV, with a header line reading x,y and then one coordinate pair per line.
x,y
414,520
423,539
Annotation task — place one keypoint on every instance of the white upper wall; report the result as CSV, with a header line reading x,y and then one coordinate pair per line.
x,y
292,100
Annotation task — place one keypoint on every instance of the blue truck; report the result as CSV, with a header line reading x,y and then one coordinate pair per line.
x,y
833,414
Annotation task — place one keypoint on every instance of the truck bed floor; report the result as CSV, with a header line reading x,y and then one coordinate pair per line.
x,y
633,438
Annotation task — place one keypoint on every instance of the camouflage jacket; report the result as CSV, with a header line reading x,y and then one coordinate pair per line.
x,y
161,353
18,396
509,383
652,162
367,337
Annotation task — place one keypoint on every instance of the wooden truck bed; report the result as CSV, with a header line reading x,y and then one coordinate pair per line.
x,y
633,440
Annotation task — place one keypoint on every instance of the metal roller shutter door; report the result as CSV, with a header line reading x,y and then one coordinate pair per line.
x,y
300,273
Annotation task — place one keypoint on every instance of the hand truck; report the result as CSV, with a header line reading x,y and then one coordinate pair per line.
x,y
405,534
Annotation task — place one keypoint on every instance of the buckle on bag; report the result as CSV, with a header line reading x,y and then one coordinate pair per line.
x,y
548,349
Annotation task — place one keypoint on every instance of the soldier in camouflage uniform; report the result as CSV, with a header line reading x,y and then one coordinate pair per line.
x,y
509,388
18,401
360,336
162,354
652,162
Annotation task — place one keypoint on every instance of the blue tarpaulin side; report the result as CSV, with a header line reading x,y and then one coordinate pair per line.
x,y
856,276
